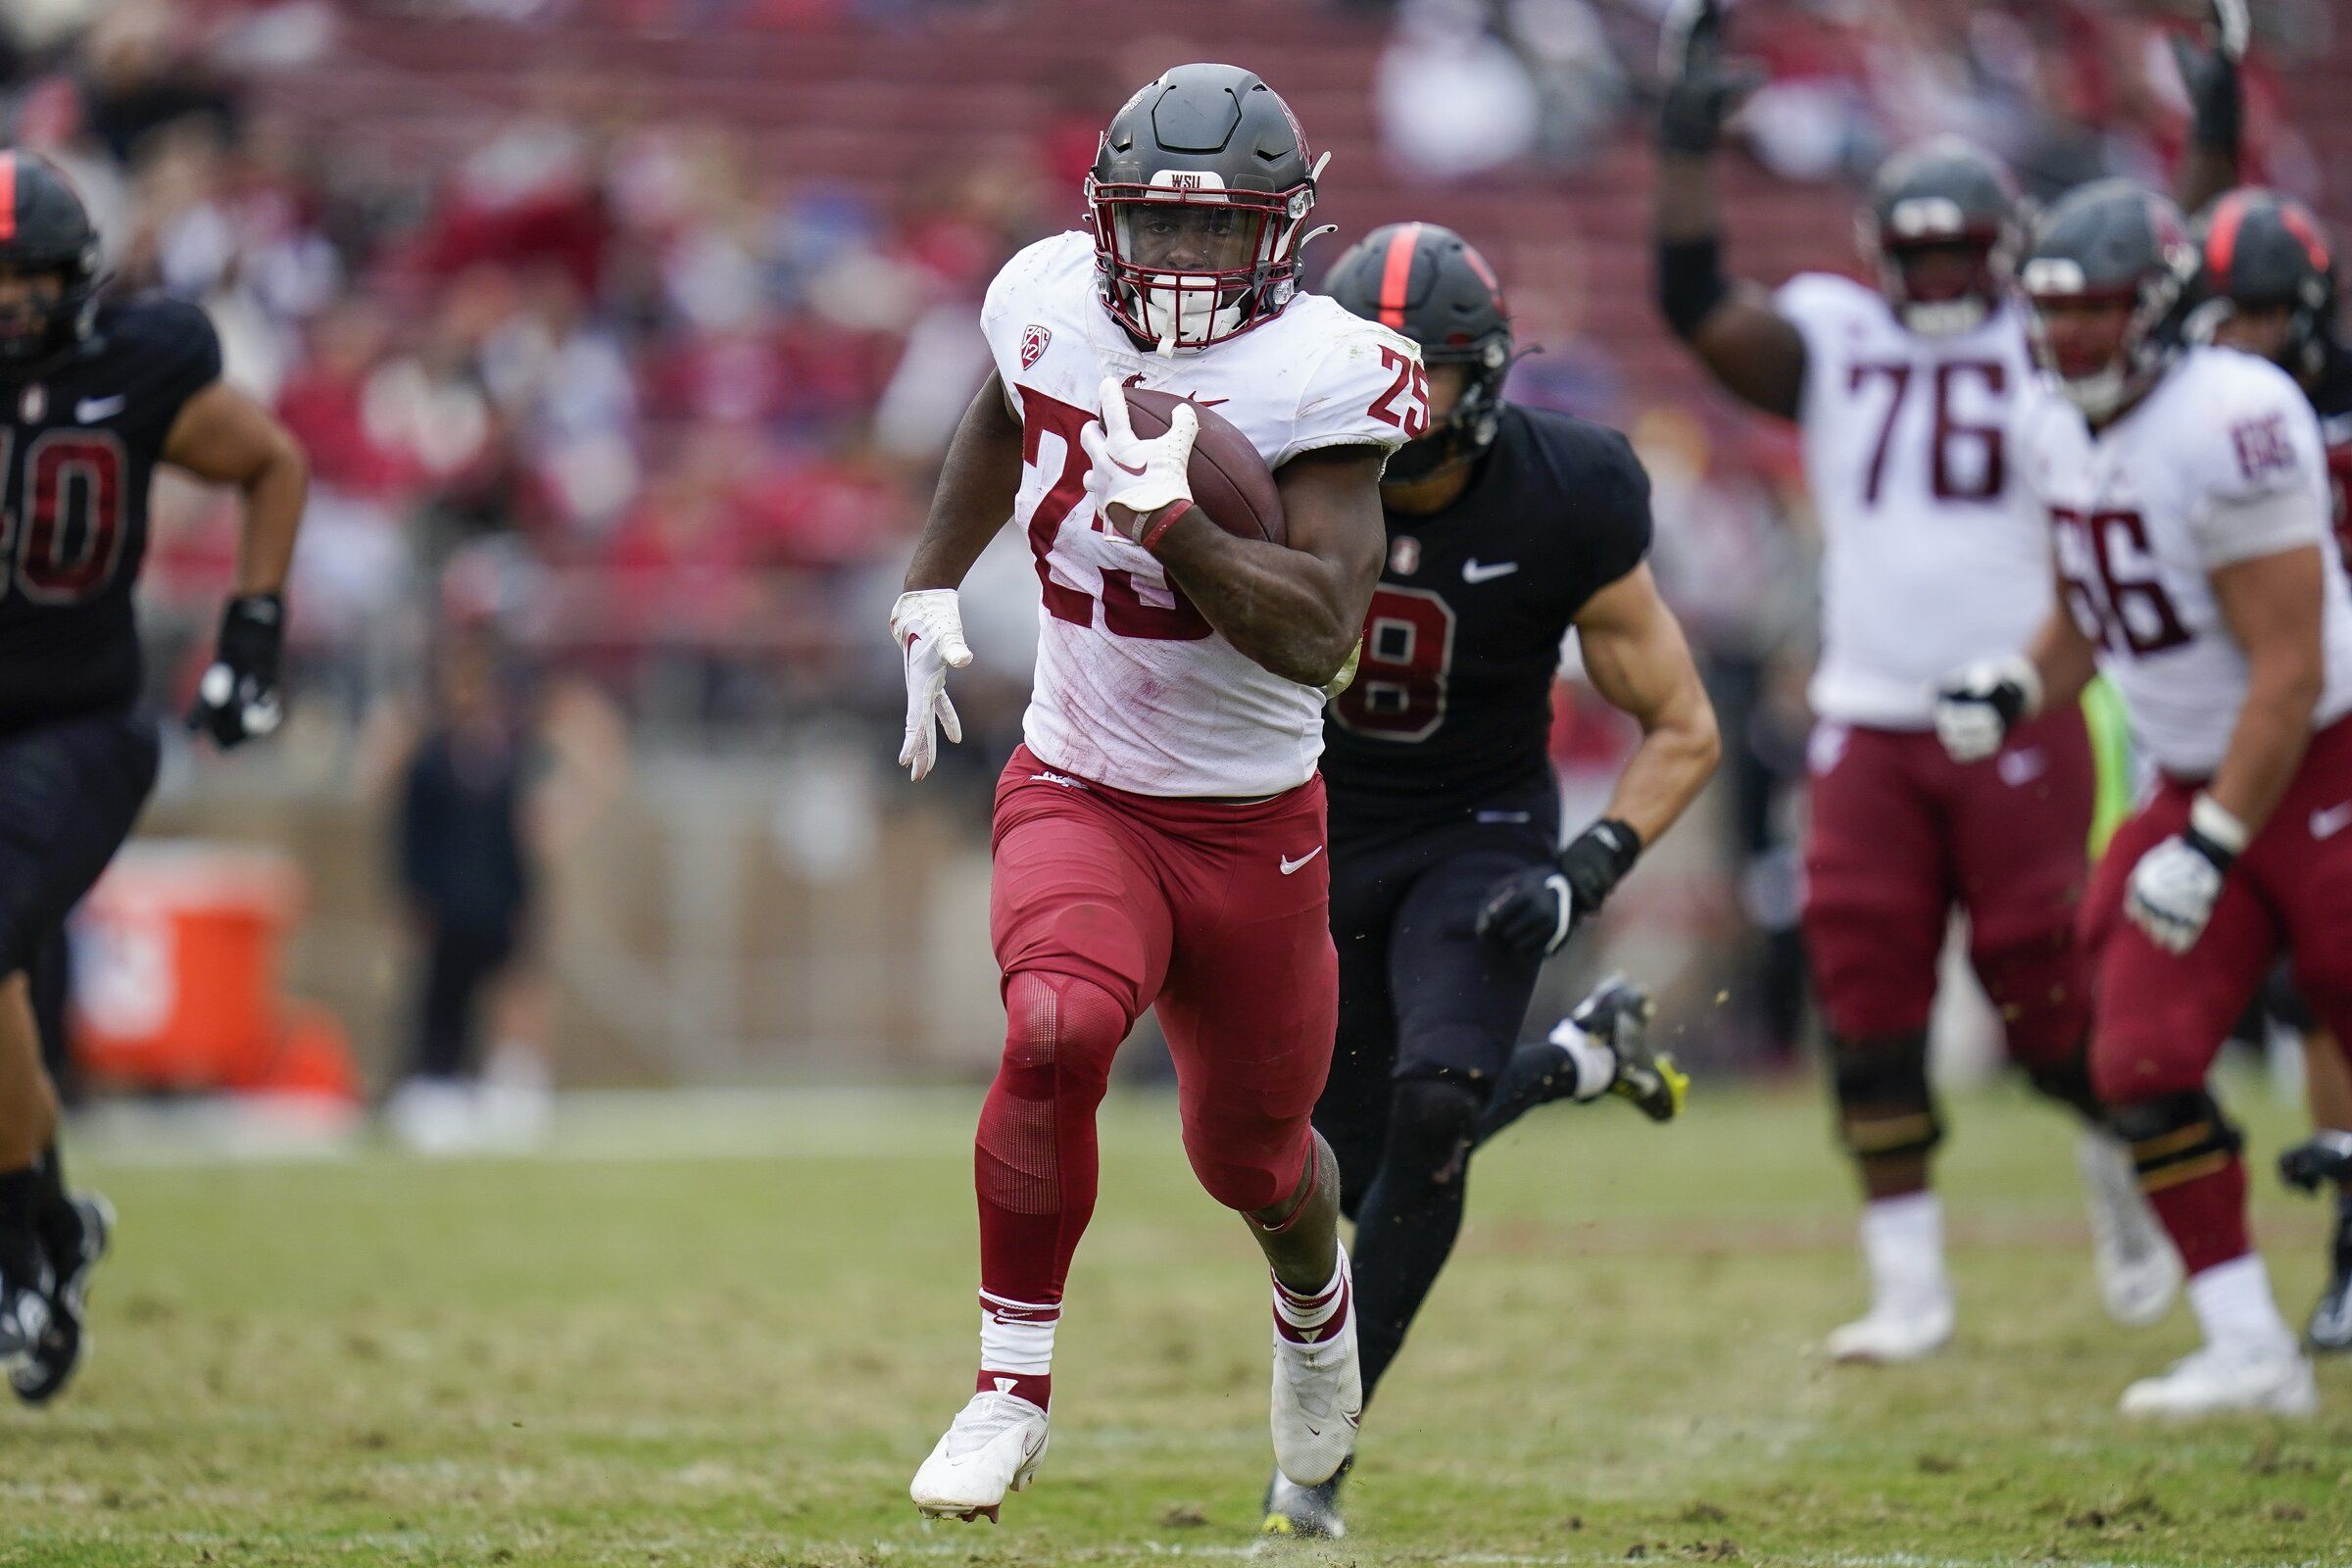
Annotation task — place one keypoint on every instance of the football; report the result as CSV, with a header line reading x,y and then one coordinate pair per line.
x,y
1231,482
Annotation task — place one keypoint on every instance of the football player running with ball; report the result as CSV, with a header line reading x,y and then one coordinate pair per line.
x,y
1506,527
2187,490
94,395
1932,559
1159,837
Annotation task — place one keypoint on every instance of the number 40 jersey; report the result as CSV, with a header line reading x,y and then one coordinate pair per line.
x,y
79,446
1931,557
1134,688
2219,462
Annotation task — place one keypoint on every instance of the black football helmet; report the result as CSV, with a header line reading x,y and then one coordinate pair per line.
x,y
1432,285
2110,241
2258,249
1199,196
1942,195
44,228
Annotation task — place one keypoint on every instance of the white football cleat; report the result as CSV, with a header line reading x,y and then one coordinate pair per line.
x,y
992,1448
1893,1331
1318,1392
2139,1272
2215,1381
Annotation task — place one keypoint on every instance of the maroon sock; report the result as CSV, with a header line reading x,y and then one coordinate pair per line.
x,y
2205,1214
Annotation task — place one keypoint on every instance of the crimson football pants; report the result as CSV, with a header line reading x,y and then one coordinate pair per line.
x,y
1104,903
2162,1016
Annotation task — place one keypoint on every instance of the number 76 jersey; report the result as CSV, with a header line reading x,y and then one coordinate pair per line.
x,y
1134,688
1931,557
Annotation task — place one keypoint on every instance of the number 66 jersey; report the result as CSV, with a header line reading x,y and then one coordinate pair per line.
x,y
1134,688
1929,559
2220,462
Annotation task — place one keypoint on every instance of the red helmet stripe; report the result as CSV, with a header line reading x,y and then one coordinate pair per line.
x,y
8,196
2220,243
1396,273
2300,227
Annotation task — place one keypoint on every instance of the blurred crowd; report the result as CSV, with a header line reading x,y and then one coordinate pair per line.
x,y
628,392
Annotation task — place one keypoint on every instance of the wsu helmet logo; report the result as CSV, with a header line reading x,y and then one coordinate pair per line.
x,y
1033,344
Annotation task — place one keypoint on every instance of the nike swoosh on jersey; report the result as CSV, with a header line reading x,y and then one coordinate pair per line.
x,y
2327,823
89,411
1289,865
1472,572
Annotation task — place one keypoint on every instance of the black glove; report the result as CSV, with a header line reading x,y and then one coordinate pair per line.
x,y
238,697
1532,912
2210,74
1699,89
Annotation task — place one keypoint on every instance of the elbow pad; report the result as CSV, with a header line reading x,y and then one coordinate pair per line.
x,y
1690,281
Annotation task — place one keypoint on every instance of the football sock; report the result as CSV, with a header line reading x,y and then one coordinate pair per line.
x,y
1016,1349
2234,1306
1036,1160
1303,1315
1410,1215
1902,1246
1571,1064
19,1226
2205,1215
59,1222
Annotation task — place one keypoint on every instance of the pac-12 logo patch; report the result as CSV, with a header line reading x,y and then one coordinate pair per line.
x,y
1033,344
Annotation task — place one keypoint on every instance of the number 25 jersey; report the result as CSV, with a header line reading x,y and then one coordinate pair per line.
x,y
2219,462
1930,559
79,445
1134,688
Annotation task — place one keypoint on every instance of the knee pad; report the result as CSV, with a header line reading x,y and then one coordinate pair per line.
x,y
1244,1160
2175,1138
1885,1106
1060,1036
2041,990
2067,1081
1431,1123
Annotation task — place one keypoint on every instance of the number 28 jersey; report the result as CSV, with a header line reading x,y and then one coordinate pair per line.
x,y
1134,688
79,445
1930,559
2220,462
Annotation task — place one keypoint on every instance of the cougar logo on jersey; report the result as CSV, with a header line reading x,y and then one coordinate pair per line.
x,y
1034,339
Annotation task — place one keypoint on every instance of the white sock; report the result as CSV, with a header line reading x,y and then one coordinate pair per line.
x,y
1018,1336
1304,1316
1595,1063
2236,1311
1902,1246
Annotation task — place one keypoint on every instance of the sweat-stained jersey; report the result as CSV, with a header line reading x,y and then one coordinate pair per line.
x,y
1134,688
1450,711
2220,462
1929,559
79,446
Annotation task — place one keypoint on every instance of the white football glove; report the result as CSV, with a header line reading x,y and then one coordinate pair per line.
x,y
1140,475
1976,705
2175,886
929,631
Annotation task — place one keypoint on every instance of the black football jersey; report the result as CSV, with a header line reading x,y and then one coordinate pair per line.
x,y
79,446
1450,711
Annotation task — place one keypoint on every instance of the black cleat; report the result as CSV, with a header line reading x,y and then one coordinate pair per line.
x,y
2325,1157
1617,1015
23,1318
42,1374
2330,1328
1305,1513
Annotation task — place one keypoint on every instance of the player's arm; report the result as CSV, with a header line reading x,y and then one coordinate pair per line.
x,y
2216,102
1297,608
2273,605
1636,658
1754,352
976,488
224,436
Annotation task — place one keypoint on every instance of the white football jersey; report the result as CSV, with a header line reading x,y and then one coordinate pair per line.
x,y
1134,688
2220,462
1930,558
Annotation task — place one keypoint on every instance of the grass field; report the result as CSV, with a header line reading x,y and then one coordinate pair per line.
x,y
726,1336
